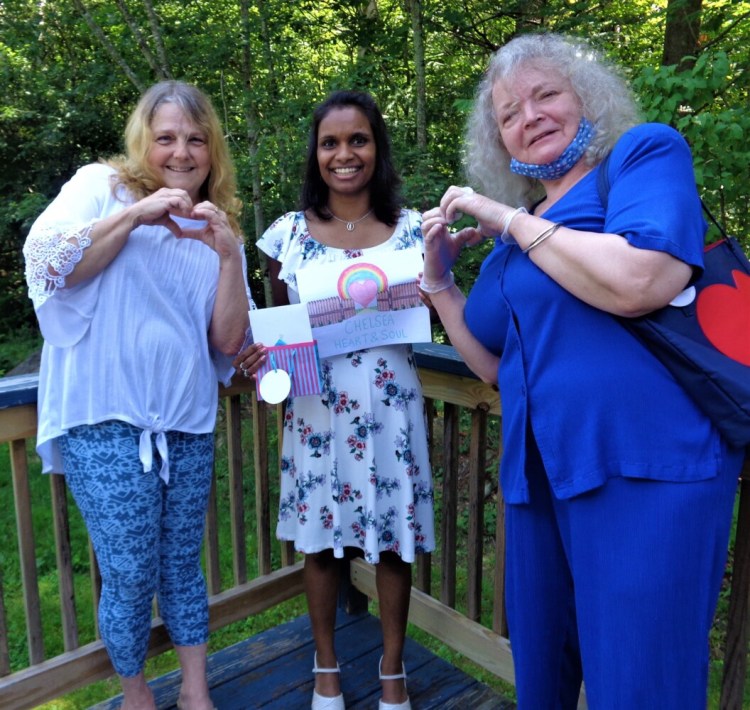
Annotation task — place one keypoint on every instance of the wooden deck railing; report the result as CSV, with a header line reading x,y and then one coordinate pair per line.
x,y
463,419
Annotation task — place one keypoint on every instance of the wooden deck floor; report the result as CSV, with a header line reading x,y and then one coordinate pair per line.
x,y
273,670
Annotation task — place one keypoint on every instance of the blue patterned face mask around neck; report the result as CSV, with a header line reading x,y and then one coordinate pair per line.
x,y
560,166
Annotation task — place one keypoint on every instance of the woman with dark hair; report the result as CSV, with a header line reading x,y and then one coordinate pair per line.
x,y
385,182
355,465
618,488
137,274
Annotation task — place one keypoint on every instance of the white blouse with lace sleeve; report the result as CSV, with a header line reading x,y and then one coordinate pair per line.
x,y
130,343
58,238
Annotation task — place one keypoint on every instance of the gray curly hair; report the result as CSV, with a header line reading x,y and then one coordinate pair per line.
x,y
605,98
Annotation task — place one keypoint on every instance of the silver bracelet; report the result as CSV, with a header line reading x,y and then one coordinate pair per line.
x,y
446,282
505,235
546,234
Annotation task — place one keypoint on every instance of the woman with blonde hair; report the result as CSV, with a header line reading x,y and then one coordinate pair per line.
x,y
137,274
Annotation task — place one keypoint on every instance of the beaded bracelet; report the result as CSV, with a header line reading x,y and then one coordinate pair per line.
x,y
546,234
446,282
504,235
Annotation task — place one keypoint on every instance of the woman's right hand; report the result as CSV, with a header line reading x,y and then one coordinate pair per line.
x,y
154,209
249,360
441,247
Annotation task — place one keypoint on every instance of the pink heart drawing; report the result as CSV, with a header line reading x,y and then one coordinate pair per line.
x,y
363,292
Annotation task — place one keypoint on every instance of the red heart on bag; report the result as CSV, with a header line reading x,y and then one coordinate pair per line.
x,y
723,313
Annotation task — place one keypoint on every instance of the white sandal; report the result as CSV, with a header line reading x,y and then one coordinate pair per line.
x,y
406,705
326,702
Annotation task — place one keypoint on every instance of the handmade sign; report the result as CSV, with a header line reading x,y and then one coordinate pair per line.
x,y
365,302
292,366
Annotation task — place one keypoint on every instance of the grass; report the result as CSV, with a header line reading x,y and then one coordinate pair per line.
x,y
16,348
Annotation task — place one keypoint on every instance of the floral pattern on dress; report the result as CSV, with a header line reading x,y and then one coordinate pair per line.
x,y
336,400
384,486
344,492
404,452
395,395
305,486
287,467
364,429
319,443
355,462
387,534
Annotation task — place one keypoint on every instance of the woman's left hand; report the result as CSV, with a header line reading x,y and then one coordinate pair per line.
x,y
217,234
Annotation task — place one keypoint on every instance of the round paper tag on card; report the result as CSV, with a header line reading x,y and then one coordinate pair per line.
x,y
275,386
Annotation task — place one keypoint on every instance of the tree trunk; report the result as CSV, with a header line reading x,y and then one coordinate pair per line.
x,y
141,40
108,46
252,122
682,33
415,6
153,20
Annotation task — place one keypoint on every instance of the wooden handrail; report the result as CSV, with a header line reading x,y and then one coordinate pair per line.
x,y
462,413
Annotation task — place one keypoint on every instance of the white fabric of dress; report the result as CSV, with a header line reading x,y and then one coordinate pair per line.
x,y
355,468
130,343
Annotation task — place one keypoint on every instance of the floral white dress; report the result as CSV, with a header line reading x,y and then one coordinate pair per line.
x,y
355,469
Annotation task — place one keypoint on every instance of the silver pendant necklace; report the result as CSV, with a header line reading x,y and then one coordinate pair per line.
x,y
349,223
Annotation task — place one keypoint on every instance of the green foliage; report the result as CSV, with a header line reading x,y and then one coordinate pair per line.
x,y
16,344
698,102
67,96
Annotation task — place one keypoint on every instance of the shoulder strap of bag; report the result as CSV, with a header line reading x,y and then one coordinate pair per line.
x,y
602,181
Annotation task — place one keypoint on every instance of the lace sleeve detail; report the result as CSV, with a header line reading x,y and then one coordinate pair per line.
x,y
51,255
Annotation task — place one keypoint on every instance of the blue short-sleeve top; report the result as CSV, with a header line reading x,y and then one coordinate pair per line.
x,y
598,402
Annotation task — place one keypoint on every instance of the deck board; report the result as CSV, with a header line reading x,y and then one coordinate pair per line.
x,y
272,670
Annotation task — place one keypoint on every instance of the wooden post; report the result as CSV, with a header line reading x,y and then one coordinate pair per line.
x,y
351,600
26,549
475,542
450,505
262,492
4,653
63,554
423,574
236,490
738,621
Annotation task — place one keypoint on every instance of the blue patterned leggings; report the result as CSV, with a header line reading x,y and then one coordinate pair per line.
x,y
147,535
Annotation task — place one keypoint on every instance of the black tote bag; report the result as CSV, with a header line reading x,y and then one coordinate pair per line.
x,y
704,340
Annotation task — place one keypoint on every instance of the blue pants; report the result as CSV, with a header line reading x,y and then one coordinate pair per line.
x,y
617,586
147,535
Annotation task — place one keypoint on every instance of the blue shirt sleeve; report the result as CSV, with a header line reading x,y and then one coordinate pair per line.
x,y
653,199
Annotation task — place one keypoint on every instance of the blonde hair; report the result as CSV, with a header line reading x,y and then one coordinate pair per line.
x,y
133,170
606,100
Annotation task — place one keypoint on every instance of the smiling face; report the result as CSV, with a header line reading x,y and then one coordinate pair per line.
x,y
538,114
179,153
346,150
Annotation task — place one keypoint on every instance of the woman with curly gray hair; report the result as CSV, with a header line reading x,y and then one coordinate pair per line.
x,y
618,489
